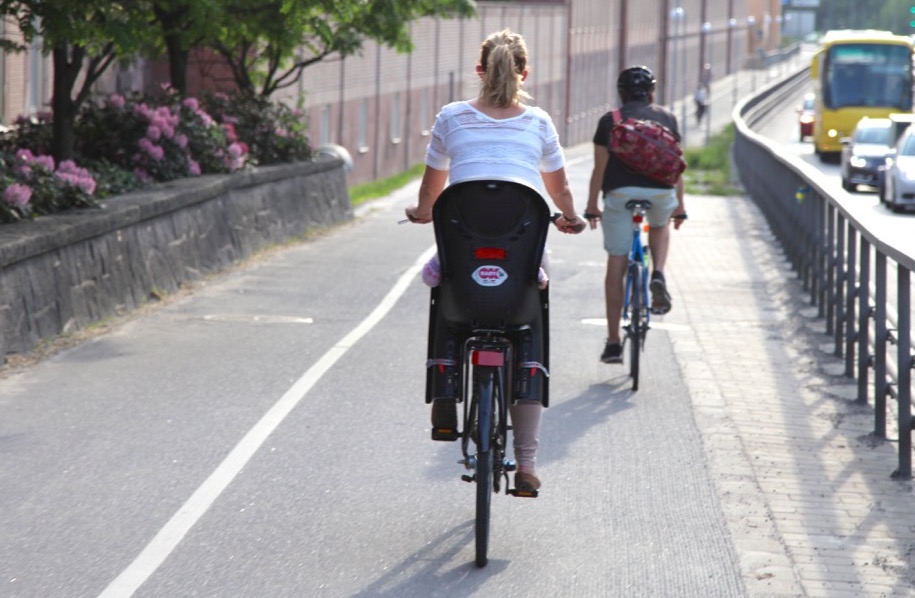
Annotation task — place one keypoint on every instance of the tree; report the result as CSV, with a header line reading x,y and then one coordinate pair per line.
x,y
185,24
81,48
268,43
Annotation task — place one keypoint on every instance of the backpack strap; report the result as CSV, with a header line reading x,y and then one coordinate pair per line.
x,y
617,116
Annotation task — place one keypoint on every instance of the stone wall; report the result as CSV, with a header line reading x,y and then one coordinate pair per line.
x,y
60,273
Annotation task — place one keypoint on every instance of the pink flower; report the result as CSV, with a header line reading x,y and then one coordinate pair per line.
x,y
142,175
191,103
230,132
17,195
46,162
153,132
181,140
206,118
235,150
193,167
116,100
25,155
152,150
143,111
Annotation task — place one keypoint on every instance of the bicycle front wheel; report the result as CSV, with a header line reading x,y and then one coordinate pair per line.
x,y
484,476
635,321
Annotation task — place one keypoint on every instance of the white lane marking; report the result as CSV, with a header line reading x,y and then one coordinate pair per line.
x,y
259,318
165,541
654,324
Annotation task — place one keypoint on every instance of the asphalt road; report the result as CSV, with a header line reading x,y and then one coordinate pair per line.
x,y
266,435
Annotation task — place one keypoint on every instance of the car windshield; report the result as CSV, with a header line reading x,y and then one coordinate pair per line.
x,y
908,146
875,135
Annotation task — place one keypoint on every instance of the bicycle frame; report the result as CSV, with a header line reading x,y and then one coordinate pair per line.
x,y
636,313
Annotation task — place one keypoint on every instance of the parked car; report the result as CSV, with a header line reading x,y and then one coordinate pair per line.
x,y
805,117
898,187
864,153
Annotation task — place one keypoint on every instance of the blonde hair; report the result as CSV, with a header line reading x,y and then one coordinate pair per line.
x,y
503,58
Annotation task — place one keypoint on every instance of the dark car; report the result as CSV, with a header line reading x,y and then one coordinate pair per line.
x,y
805,117
864,153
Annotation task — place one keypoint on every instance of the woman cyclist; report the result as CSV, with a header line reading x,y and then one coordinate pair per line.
x,y
497,136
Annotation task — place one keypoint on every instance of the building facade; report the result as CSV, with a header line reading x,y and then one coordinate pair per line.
x,y
380,105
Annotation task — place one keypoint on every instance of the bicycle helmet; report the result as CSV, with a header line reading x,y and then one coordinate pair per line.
x,y
636,82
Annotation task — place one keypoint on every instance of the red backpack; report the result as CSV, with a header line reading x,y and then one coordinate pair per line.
x,y
648,148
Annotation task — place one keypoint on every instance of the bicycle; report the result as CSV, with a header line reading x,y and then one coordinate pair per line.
x,y
636,303
488,327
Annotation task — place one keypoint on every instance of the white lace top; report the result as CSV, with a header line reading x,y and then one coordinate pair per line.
x,y
471,145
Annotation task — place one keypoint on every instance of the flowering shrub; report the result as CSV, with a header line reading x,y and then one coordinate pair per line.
x,y
125,142
272,133
33,185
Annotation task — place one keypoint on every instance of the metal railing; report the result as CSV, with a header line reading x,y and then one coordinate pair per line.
x,y
841,260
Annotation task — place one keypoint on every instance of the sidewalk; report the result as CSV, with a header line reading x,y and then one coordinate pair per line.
x,y
805,487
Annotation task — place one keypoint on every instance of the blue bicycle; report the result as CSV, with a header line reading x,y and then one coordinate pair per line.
x,y
636,306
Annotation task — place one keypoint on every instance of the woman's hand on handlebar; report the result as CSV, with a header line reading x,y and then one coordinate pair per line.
x,y
569,225
414,215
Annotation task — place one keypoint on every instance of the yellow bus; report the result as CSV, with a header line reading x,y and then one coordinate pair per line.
x,y
858,74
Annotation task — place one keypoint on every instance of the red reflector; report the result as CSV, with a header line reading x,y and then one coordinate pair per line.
x,y
637,218
489,253
490,358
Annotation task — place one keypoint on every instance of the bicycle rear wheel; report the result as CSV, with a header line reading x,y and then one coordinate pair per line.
x,y
635,321
484,475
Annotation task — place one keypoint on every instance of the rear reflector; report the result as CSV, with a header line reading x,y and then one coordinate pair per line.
x,y
490,358
489,253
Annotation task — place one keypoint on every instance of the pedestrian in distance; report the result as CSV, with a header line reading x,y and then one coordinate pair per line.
x,y
497,136
615,184
702,101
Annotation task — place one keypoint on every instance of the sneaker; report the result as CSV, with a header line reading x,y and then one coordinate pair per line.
x,y
613,353
660,298
444,420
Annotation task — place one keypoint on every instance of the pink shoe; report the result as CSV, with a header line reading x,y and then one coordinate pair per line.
x,y
432,272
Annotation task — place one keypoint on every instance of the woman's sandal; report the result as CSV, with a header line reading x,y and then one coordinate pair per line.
x,y
526,481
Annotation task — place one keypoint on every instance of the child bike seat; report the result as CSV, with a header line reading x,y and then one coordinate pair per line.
x,y
490,237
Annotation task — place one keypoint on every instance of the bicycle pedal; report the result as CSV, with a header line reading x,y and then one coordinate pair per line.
x,y
445,434
468,478
524,493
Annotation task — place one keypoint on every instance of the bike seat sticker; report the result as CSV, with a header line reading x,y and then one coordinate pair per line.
x,y
489,276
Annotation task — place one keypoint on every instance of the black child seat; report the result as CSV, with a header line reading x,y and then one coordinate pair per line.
x,y
490,237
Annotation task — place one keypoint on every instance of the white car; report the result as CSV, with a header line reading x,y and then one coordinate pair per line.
x,y
898,185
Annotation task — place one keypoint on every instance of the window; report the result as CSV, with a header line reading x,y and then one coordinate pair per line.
x,y
395,119
36,84
424,120
363,132
325,125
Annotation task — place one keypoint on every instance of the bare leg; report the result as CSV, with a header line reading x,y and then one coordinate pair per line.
x,y
658,243
613,292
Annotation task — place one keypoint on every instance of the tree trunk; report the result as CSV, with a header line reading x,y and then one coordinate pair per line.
x,y
65,72
172,22
177,63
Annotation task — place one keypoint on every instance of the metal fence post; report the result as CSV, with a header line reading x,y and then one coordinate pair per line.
x,y
830,267
904,359
839,283
880,342
864,314
850,295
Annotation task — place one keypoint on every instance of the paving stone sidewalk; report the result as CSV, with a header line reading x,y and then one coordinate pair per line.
x,y
804,484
